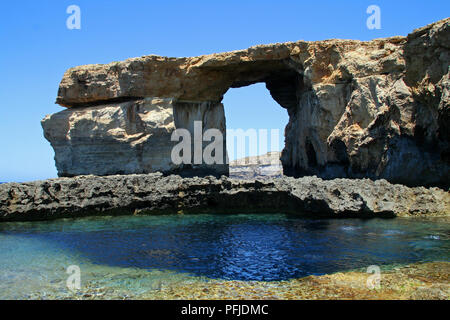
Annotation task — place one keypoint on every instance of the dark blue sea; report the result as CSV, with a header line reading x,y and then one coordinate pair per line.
x,y
265,247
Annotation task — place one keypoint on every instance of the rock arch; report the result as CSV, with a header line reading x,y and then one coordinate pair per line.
x,y
356,109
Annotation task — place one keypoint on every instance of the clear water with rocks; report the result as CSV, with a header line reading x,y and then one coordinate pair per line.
x,y
131,255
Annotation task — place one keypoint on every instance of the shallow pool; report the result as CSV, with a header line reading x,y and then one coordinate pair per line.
x,y
133,253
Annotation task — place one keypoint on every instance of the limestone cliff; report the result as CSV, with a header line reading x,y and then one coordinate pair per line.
x,y
127,137
377,109
257,167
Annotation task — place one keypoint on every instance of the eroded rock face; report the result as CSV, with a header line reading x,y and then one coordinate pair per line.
x,y
127,137
117,138
377,109
155,193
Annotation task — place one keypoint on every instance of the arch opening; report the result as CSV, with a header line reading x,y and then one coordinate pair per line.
x,y
255,118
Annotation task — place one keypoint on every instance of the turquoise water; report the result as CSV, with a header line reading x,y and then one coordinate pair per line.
x,y
131,255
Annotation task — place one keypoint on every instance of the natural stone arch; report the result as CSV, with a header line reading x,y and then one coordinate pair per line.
x,y
283,80
374,109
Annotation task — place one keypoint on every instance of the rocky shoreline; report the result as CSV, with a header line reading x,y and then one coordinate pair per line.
x,y
156,194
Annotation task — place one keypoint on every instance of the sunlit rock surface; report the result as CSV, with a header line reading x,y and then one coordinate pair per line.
x,y
126,137
377,109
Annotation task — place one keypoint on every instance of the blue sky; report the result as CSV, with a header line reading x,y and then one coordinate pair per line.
x,y
37,48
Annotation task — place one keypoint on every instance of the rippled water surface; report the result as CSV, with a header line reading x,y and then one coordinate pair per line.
x,y
133,252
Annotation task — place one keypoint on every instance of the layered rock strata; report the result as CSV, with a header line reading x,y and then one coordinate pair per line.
x,y
127,137
155,193
377,109
257,167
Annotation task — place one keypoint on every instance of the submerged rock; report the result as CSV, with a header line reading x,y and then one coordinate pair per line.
x,y
375,109
420,281
155,193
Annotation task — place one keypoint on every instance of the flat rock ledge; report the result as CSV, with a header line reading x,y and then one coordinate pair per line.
x,y
158,194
